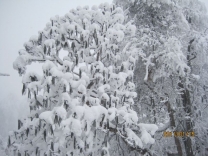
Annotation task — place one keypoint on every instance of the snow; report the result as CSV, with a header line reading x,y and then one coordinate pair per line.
x,y
132,136
76,127
33,38
48,65
197,77
60,111
94,7
152,128
81,89
79,110
27,78
112,113
49,43
48,116
56,73
146,137
20,63
105,96
104,88
85,78
68,76
75,84
130,117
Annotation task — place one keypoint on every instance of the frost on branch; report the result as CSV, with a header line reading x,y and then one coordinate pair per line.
x,y
81,100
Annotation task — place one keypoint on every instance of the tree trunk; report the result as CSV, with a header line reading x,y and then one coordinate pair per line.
x,y
188,125
172,124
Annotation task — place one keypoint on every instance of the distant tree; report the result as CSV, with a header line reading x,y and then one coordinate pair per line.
x,y
3,74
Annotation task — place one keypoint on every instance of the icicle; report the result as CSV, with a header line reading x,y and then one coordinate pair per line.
x,y
44,49
101,123
29,95
83,99
59,120
48,88
81,38
77,59
51,129
64,89
23,89
62,38
70,90
36,151
36,131
72,46
49,51
52,146
107,126
19,124
53,80
9,142
98,55
66,45
122,68
40,123
56,119
44,135
76,30
80,73
27,131
65,105
40,38
35,95
75,142
85,128
116,121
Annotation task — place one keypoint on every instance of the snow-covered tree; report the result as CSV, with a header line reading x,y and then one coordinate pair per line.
x,y
171,43
83,103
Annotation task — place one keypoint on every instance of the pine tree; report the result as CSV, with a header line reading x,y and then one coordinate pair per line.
x,y
83,104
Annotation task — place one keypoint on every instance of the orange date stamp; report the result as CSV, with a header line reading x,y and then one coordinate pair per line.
x,y
178,134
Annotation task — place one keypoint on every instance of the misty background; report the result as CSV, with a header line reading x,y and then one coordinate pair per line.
x,y
19,20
